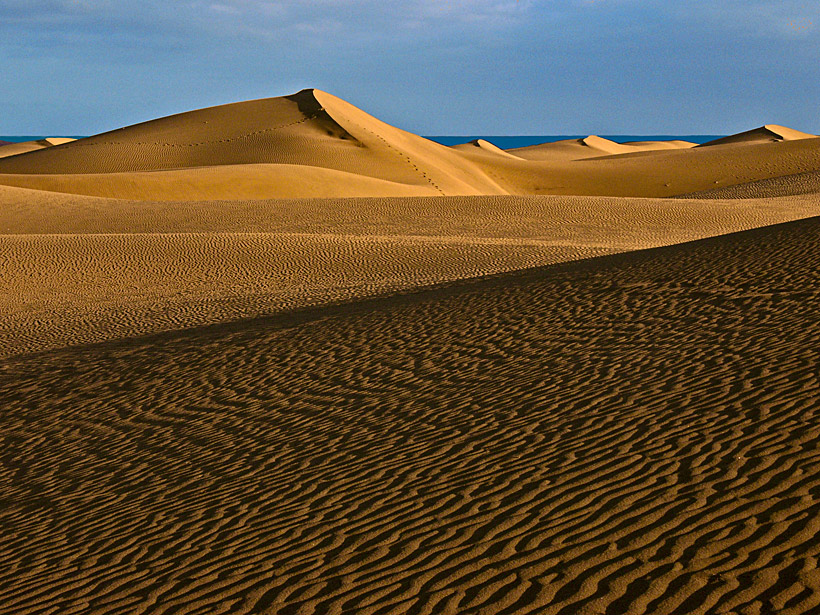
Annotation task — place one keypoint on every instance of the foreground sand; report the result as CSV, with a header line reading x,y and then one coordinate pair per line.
x,y
631,434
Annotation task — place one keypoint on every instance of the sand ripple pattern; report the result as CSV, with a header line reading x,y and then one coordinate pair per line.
x,y
79,269
59,290
787,185
633,434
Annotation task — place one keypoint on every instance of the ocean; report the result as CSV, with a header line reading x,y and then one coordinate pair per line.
x,y
511,142
24,138
503,141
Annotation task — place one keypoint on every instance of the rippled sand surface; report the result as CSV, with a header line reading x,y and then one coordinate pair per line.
x,y
636,433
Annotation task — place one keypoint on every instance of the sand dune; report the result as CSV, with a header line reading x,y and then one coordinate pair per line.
x,y
313,144
592,146
661,173
13,149
307,130
484,146
633,434
765,134
281,357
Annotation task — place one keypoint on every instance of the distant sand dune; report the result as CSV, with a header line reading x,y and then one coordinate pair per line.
x,y
13,149
764,134
313,144
591,147
661,173
634,434
309,129
484,146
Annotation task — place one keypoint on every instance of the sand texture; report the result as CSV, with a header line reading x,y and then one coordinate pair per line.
x,y
633,434
282,358
80,270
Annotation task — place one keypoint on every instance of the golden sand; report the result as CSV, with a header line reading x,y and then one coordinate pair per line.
x,y
281,357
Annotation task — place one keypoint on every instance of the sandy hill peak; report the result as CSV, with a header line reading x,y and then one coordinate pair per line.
x,y
311,128
768,133
600,143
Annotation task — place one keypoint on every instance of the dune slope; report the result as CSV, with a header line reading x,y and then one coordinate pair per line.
x,y
632,434
308,129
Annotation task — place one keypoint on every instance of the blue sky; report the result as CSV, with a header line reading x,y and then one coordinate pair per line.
x,y
429,66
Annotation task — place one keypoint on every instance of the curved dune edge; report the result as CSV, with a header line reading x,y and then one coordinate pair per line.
x,y
636,434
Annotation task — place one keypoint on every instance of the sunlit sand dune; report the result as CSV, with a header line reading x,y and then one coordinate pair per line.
x,y
651,173
591,147
313,144
281,357
309,129
485,147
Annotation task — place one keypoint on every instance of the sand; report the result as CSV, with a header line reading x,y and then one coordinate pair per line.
x,y
280,357
12,149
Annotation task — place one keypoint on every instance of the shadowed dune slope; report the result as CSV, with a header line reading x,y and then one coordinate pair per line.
x,y
309,129
786,185
632,434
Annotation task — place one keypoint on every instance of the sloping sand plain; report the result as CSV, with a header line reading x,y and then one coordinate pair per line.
x,y
281,357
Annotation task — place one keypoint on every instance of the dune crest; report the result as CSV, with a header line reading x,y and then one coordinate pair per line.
x,y
765,134
308,129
